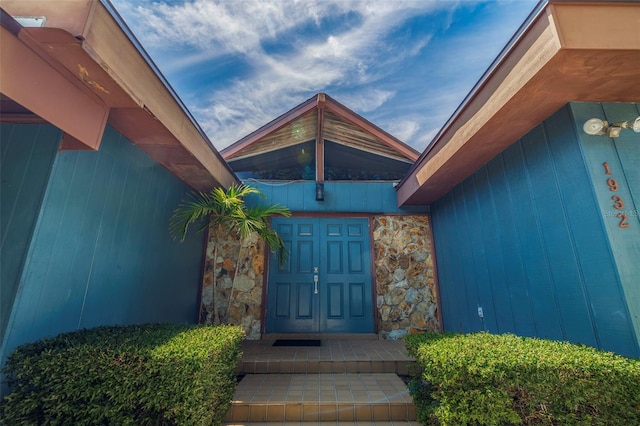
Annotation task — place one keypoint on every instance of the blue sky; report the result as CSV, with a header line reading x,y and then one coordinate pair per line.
x,y
403,65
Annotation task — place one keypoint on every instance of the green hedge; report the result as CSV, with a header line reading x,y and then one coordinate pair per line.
x,y
160,374
486,379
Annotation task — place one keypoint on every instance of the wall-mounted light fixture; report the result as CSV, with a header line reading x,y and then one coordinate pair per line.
x,y
597,127
319,191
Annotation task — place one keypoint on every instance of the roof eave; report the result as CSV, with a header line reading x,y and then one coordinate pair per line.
x,y
87,44
571,51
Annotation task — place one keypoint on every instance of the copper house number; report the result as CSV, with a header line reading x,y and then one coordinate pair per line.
x,y
618,204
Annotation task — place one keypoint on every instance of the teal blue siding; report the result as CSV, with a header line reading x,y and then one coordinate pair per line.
x,y
623,157
100,252
26,158
343,197
523,238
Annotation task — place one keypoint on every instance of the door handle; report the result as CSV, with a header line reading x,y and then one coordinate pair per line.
x,y
315,284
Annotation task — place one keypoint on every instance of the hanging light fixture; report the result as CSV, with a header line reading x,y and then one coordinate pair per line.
x,y
598,127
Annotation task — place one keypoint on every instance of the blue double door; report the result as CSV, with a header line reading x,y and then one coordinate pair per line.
x,y
325,285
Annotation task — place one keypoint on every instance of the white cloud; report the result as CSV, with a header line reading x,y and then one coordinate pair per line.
x,y
365,100
352,62
276,82
403,129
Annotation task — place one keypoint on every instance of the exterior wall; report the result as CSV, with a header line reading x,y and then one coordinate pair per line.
x,y
405,283
26,157
100,253
339,197
622,156
524,239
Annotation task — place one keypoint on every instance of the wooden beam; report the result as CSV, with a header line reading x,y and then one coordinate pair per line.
x,y
32,82
320,139
69,143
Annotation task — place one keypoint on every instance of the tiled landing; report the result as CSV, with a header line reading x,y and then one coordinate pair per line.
x,y
334,356
342,382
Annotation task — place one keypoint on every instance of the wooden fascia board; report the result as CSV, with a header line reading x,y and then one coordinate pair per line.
x,y
105,41
28,79
538,64
360,122
271,127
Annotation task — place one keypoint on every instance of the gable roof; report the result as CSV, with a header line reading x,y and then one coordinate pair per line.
x,y
567,51
320,118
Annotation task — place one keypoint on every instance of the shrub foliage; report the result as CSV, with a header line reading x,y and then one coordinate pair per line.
x,y
486,379
161,374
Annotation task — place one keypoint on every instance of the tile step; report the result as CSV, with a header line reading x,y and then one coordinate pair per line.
x,y
294,366
321,336
330,397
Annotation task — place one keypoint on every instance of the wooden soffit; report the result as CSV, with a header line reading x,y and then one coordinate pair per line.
x,y
83,46
569,51
320,118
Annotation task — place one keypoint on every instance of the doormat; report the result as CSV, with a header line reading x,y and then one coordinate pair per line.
x,y
282,342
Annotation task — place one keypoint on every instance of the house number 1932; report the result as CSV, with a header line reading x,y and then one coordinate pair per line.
x,y
618,204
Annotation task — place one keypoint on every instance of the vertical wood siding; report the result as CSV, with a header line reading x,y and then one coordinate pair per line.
x,y
622,156
344,197
523,238
100,252
26,158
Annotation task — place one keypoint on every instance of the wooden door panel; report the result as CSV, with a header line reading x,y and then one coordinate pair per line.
x,y
304,257
304,301
357,301
355,261
335,300
282,300
340,248
292,306
345,264
334,257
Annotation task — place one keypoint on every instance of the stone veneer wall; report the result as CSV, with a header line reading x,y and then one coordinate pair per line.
x,y
405,280
247,288
405,283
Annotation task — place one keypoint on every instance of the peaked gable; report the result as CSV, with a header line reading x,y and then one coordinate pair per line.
x,y
321,133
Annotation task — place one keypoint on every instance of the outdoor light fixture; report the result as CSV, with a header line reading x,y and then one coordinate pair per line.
x,y
598,127
319,191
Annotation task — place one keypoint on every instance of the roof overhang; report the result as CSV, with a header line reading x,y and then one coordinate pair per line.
x,y
566,52
83,69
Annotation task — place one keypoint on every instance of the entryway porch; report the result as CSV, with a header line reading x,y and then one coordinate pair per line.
x,y
347,380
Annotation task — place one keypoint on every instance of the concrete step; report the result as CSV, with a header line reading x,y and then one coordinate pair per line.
x,y
329,397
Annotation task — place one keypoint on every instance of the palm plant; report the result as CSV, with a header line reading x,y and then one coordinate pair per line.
x,y
227,216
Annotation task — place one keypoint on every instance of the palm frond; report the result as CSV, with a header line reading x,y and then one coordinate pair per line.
x,y
226,209
189,211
